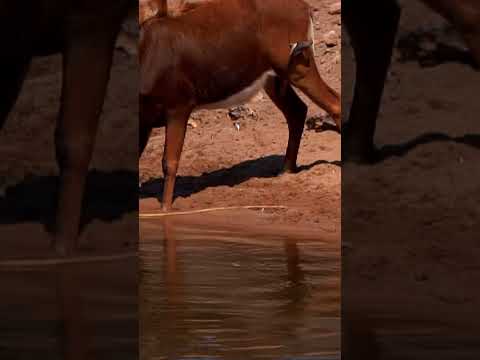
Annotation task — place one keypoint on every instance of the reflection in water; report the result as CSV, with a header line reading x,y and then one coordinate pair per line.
x,y
71,311
215,293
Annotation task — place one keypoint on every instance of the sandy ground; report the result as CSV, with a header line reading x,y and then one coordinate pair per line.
x,y
28,168
223,166
411,223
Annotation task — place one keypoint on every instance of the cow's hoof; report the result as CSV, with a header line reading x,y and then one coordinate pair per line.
x,y
166,208
288,170
60,248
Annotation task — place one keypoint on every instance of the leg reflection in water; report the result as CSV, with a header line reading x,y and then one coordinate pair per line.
x,y
217,291
76,336
69,311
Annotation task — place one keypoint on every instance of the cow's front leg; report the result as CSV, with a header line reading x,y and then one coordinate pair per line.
x,y
86,70
176,126
372,26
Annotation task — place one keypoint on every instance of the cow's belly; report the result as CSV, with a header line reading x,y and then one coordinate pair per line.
x,y
241,97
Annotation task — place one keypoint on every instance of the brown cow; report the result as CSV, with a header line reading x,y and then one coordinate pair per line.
x,y
84,31
220,54
372,26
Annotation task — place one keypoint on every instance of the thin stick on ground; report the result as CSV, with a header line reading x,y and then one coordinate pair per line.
x,y
23,264
208,210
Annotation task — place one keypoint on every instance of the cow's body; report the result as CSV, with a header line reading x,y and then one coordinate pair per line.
x,y
372,26
219,54
84,31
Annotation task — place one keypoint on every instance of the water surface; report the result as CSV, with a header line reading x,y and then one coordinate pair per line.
x,y
216,292
69,312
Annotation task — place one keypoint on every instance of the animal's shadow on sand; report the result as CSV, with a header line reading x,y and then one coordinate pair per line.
x,y
264,167
109,195
402,149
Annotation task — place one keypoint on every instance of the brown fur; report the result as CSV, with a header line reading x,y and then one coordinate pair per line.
x,y
218,49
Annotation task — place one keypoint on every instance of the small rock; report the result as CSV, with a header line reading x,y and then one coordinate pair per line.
x,y
240,112
320,123
331,38
192,123
335,9
196,116
314,122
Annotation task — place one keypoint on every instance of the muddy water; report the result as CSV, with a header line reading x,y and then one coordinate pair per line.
x,y
217,292
69,312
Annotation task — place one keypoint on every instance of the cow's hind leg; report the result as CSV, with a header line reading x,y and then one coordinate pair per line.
x,y
12,75
465,15
303,74
176,126
372,26
294,110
